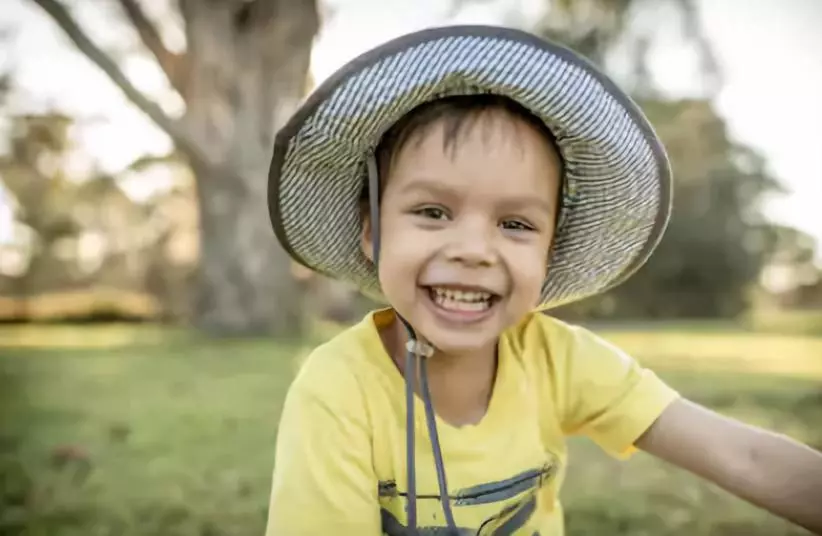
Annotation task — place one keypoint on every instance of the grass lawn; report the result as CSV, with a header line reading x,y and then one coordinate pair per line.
x,y
124,431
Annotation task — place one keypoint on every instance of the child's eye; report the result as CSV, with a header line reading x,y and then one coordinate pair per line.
x,y
516,225
434,213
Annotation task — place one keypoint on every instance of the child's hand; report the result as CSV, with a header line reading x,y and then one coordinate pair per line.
x,y
767,469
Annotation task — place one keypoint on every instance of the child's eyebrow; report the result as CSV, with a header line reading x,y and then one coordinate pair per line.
x,y
428,186
543,206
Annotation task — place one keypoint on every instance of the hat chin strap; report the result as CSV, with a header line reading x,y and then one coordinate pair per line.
x,y
417,352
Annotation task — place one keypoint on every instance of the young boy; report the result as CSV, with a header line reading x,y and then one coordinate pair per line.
x,y
472,177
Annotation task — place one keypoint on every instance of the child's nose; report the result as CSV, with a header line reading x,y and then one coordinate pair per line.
x,y
472,245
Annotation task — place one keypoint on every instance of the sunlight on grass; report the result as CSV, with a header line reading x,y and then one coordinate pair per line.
x,y
795,355
83,336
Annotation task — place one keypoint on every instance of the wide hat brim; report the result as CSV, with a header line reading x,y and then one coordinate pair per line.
x,y
617,178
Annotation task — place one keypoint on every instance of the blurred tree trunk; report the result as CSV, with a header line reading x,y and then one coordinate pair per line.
x,y
242,73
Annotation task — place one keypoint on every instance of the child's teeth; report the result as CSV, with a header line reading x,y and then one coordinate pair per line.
x,y
460,300
461,295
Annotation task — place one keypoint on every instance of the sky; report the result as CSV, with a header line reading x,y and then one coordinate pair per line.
x,y
768,50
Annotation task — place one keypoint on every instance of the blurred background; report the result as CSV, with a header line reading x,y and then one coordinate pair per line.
x,y
150,325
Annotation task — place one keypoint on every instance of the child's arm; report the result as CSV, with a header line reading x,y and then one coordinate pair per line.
x,y
324,482
766,469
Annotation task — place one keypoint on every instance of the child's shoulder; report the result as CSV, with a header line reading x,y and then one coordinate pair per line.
x,y
336,367
540,330
540,334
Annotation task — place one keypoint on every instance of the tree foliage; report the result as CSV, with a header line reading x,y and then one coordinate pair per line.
x,y
85,239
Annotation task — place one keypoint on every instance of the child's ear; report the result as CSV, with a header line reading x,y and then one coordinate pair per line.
x,y
366,242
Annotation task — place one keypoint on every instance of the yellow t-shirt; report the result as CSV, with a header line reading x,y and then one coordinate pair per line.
x,y
340,456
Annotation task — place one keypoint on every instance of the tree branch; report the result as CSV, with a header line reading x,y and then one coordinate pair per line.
x,y
66,22
694,30
173,65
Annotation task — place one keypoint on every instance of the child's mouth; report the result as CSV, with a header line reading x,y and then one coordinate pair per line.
x,y
462,303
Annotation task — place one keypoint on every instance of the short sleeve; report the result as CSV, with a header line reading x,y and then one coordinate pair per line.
x,y
323,480
607,395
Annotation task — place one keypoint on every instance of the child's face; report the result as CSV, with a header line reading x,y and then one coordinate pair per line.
x,y
466,233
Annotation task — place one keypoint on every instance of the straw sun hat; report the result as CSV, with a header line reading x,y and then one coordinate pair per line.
x,y
617,180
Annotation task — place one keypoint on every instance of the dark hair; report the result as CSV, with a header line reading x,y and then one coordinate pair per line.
x,y
458,113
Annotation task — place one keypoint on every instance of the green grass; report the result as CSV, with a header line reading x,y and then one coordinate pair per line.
x,y
124,431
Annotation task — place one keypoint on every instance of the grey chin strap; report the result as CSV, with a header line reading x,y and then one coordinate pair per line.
x,y
416,352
